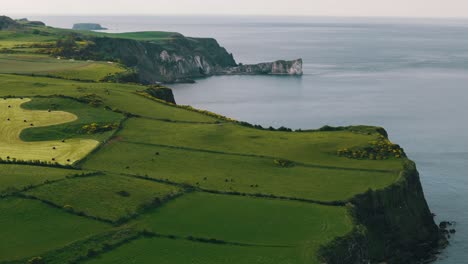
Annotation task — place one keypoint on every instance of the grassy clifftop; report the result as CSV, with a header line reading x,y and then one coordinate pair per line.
x,y
155,56
176,184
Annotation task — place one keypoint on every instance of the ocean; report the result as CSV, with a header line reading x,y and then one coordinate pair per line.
x,y
407,75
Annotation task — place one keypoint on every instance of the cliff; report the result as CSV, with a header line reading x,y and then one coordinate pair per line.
x,y
174,60
161,93
280,67
7,23
394,225
88,26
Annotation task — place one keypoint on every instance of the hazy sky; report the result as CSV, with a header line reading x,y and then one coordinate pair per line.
x,y
411,8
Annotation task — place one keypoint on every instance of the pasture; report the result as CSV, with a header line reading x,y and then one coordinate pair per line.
x,y
249,220
61,68
108,197
13,119
30,228
312,148
235,173
15,177
170,251
86,114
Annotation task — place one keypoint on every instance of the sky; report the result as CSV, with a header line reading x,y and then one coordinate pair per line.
x,y
365,8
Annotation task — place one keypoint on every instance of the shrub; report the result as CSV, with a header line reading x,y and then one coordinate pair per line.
x,y
380,149
95,128
284,163
36,260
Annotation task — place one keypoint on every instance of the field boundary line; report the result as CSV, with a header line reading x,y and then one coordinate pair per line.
x,y
191,188
258,156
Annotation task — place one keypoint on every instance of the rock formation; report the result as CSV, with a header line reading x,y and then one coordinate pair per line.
x,y
280,67
88,26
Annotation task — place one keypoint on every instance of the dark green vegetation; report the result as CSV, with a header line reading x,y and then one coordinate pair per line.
x,y
89,110
172,184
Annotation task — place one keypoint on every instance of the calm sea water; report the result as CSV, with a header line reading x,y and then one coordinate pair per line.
x,y
410,76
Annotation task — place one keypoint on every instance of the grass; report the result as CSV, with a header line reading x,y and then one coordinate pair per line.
x,y
109,197
86,115
144,35
249,220
30,228
67,69
168,251
312,148
157,143
13,119
117,96
16,177
233,173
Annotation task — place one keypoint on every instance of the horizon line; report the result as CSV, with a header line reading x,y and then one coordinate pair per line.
x,y
238,15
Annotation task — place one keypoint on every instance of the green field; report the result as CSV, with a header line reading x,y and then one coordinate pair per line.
x,y
249,220
168,251
149,182
86,115
108,197
313,148
236,173
61,68
30,228
16,177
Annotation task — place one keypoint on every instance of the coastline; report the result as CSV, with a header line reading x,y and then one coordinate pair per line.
x,y
393,225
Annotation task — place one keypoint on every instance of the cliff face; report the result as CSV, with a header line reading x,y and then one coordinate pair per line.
x,y
7,23
397,226
174,60
162,93
180,59
280,67
88,26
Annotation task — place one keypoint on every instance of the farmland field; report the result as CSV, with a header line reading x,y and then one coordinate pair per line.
x,y
249,220
34,228
169,251
236,173
67,69
108,197
17,177
13,119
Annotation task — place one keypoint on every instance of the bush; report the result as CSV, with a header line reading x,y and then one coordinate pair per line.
x,y
36,260
380,149
284,163
95,128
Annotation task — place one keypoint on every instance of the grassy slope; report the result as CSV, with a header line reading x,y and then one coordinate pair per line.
x,y
99,195
168,251
20,176
249,220
45,65
13,119
30,228
193,149
311,148
119,96
86,115
240,172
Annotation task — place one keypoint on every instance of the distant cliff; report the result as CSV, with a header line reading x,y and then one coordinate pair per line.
x,y
7,23
280,67
174,58
88,26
